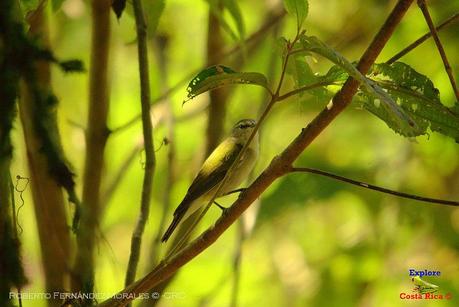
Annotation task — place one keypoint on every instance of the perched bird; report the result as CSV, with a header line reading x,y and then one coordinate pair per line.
x,y
423,286
214,170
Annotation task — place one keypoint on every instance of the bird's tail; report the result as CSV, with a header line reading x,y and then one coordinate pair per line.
x,y
172,226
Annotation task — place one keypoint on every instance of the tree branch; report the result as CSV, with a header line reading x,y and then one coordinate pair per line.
x,y
278,167
374,187
150,160
425,11
48,198
160,45
422,39
96,137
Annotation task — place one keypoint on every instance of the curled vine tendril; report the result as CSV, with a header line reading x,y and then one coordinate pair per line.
x,y
165,142
21,190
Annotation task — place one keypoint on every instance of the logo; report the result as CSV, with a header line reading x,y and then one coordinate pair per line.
x,y
424,290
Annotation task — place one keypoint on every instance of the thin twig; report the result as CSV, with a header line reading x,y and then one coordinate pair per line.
x,y
150,160
423,38
425,11
278,167
161,47
374,187
304,88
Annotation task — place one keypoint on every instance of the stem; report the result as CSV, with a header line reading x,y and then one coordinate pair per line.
x,y
96,137
161,51
279,166
425,11
422,39
150,160
304,89
374,187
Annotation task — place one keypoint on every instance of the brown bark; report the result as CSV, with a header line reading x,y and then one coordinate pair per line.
x,y
48,198
96,137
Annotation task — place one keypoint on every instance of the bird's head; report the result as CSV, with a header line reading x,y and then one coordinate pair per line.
x,y
243,129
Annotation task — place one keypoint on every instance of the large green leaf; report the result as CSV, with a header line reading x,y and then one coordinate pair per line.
x,y
399,118
297,8
416,95
218,75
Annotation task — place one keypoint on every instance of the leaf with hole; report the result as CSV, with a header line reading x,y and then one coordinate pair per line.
x,y
400,119
218,75
416,95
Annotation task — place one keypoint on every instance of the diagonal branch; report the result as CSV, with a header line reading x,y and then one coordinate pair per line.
x,y
422,39
278,167
425,11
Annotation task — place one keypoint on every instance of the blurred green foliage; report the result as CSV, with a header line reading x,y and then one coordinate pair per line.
x,y
316,242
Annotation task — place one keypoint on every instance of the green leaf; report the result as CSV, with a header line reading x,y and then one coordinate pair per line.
x,y
218,75
217,8
400,119
235,11
297,8
416,95
303,75
153,10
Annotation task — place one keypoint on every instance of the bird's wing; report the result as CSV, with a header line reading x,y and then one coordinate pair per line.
x,y
213,171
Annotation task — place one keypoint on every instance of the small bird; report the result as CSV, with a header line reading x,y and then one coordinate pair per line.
x,y
423,286
214,169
